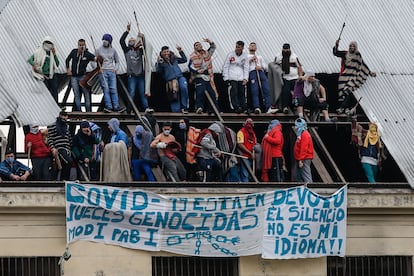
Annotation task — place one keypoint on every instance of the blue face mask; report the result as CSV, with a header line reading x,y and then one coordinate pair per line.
x,y
10,160
182,125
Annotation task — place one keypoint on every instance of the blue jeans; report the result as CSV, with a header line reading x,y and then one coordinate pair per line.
x,y
233,174
256,85
137,166
201,86
107,80
77,92
244,173
182,102
134,83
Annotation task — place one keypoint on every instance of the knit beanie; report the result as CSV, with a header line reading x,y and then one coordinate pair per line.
x,y
84,124
107,37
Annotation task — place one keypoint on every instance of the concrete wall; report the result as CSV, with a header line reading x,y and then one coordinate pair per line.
x,y
32,223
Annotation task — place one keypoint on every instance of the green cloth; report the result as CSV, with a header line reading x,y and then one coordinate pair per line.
x,y
46,65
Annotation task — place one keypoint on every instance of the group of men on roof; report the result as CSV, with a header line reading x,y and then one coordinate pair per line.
x,y
286,87
183,152
210,152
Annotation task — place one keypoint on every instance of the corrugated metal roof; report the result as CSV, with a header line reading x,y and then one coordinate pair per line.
x,y
27,99
381,27
311,27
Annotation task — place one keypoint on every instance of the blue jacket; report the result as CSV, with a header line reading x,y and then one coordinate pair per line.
x,y
170,69
370,151
6,170
120,135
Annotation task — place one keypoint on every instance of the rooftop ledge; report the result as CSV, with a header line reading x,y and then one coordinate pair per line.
x,y
363,198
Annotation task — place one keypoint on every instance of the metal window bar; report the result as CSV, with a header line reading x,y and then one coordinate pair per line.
x,y
29,266
189,266
370,266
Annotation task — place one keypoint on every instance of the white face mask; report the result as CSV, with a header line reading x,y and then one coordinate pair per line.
x,y
166,132
47,47
105,43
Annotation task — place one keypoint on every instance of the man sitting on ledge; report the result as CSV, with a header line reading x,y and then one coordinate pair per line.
x,y
13,170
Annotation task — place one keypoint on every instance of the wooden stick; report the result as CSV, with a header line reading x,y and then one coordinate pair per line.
x,y
29,150
101,168
254,162
249,169
226,153
213,106
59,166
143,41
85,176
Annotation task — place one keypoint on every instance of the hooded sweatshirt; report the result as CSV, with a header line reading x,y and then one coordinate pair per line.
x,y
117,134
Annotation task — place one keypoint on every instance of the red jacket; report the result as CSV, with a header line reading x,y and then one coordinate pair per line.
x,y
303,148
276,140
39,148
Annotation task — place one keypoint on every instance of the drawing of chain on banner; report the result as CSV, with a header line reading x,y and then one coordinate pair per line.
x,y
274,224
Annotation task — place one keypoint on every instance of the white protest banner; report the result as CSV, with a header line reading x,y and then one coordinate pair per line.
x,y
112,215
302,224
208,226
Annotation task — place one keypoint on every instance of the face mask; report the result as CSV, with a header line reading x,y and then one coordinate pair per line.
x,y
9,160
34,130
166,132
182,125
105,43
47,46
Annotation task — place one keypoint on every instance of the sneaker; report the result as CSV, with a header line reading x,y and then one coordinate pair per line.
x,y
340,110
272,110
184,111
149,110
107,110
349,112
257,111
199,110
120,109
331,120
286,110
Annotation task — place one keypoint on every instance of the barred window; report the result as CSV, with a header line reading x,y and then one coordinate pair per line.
x,y
29,266
190,266
370,266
